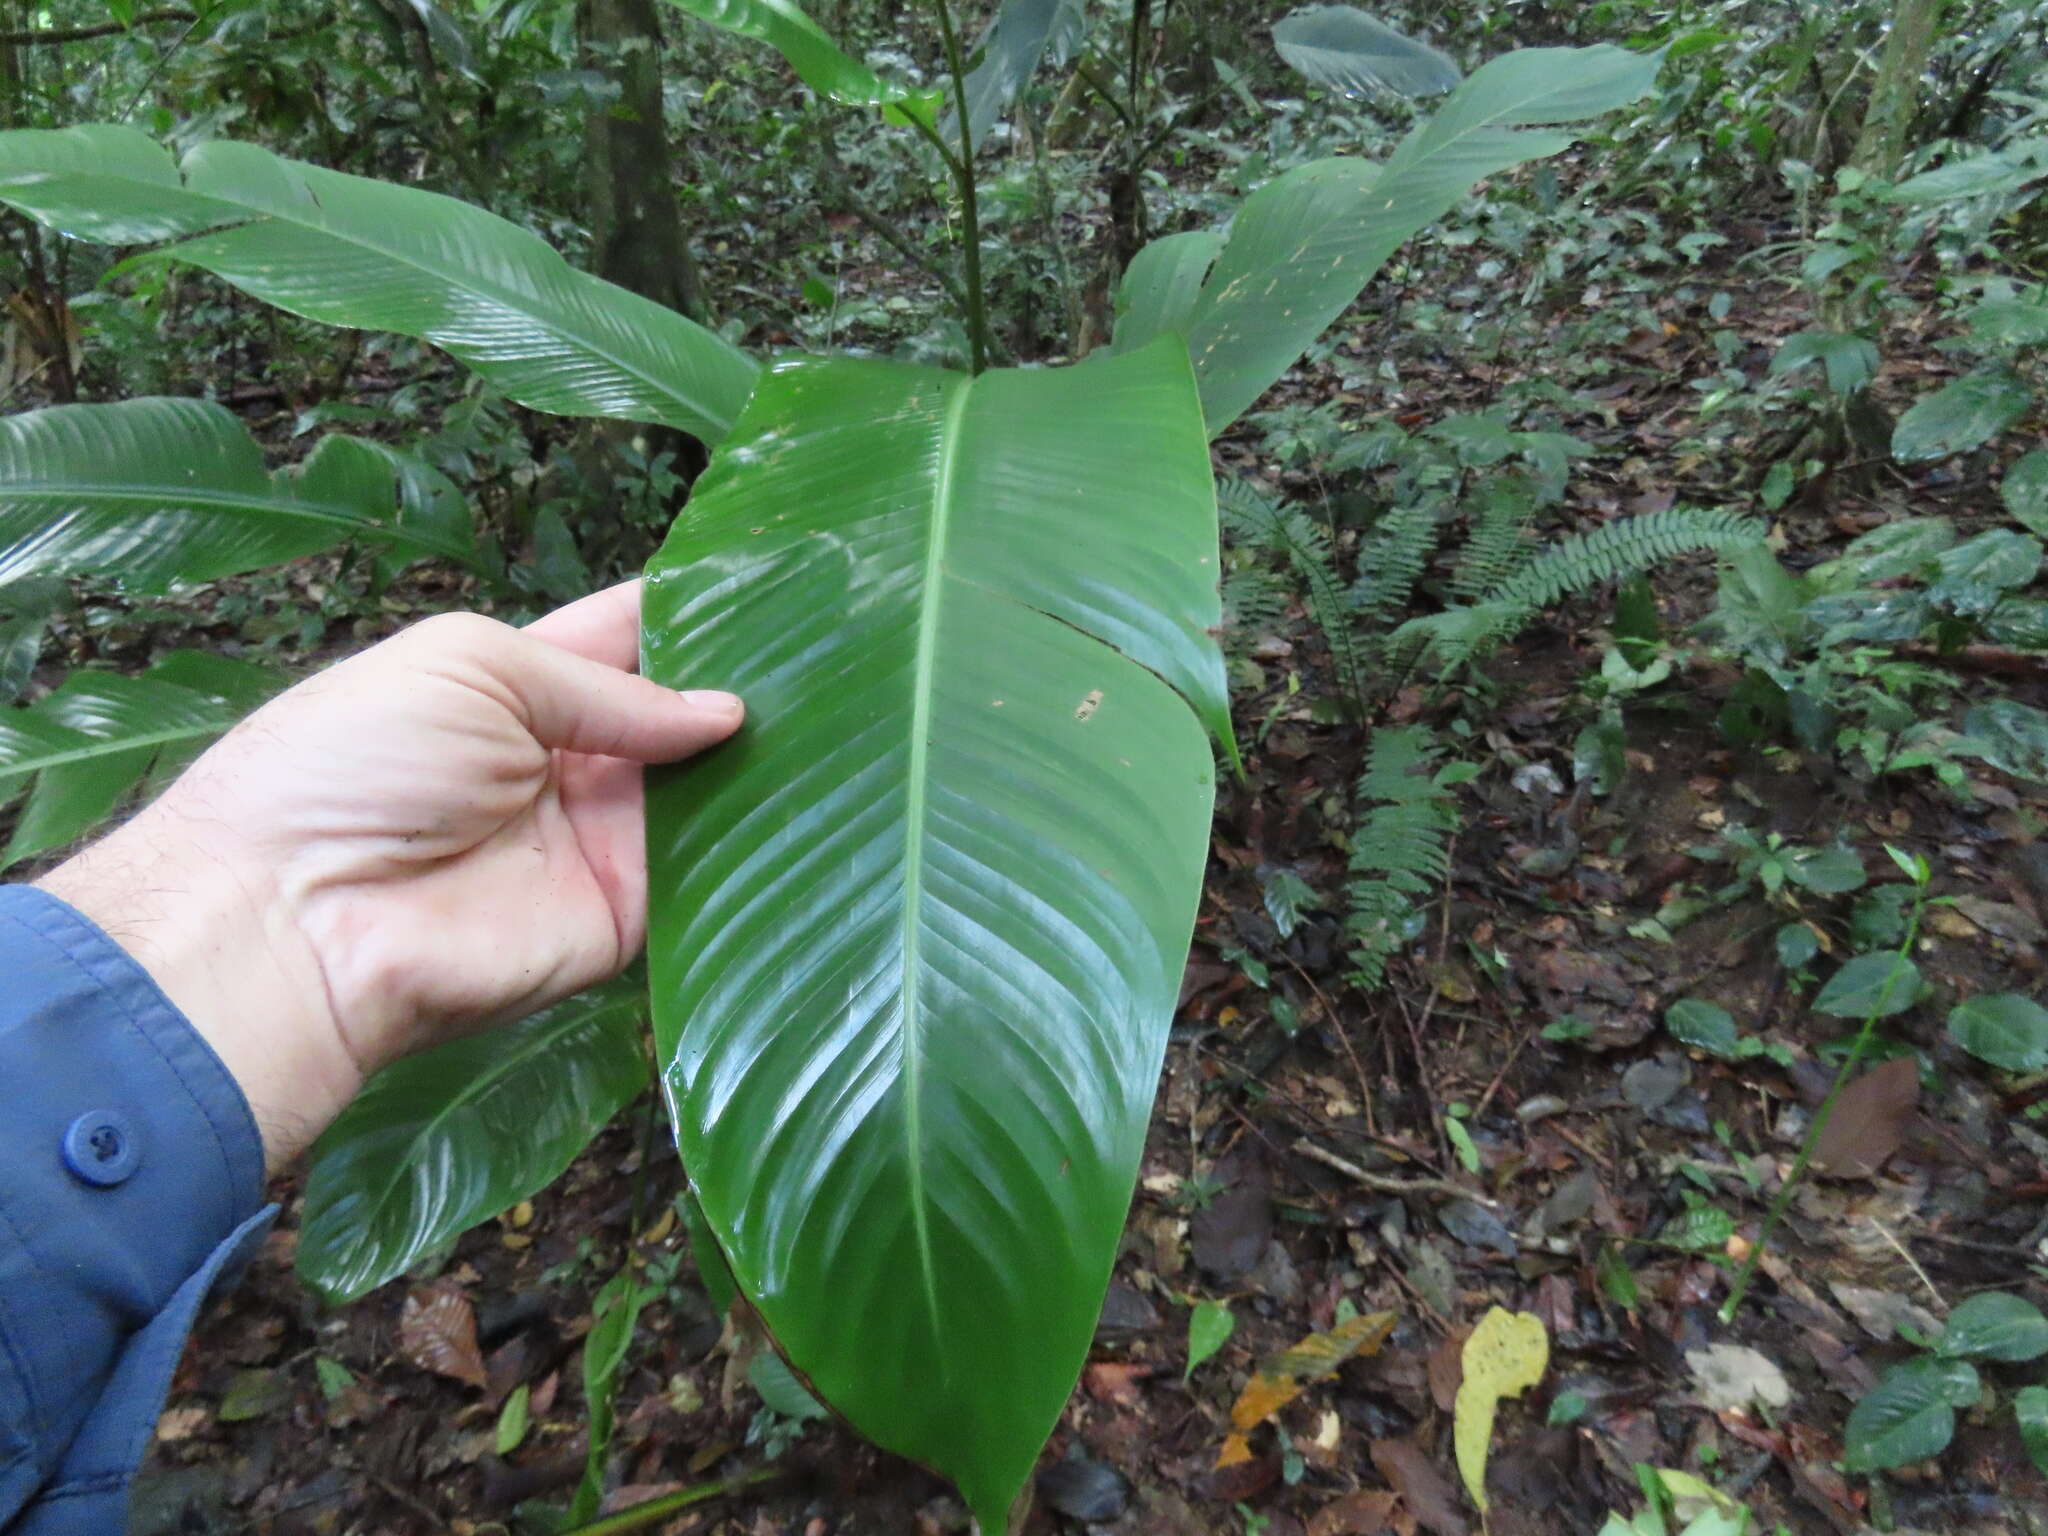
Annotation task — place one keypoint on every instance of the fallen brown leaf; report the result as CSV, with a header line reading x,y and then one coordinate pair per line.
x,y
1363,1513
1426,1491
437,1332
1869,1120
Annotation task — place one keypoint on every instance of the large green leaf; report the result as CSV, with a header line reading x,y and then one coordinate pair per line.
x,y
1961,415
917,932
1303,245
1023,34
438,1142
349,251
807,49
1341,47
1910,1415
160,490
90,742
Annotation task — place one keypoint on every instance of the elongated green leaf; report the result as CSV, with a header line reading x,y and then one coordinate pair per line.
x,y
441,1141
1881,984
1341,47
1304,244
159,490
91,741
917,932
817,60
1024,34
1160,288
1962,415
2030,1408
348,251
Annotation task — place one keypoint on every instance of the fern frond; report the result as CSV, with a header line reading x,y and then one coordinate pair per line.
x,y
1253,599
1401,845
1253,517
1392,558
1571,566
1499,542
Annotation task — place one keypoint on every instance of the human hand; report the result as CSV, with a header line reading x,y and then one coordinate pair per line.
x,y
438,834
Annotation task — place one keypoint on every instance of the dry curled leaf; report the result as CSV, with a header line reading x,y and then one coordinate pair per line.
x,y
437,1332
1506,1355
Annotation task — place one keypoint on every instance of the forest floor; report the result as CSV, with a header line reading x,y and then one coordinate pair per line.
x,y
1301,1177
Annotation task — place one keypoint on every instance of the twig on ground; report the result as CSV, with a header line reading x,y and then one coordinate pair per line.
x,y
1387,1183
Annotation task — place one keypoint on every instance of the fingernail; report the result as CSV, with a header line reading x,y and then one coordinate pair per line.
x,y
713,701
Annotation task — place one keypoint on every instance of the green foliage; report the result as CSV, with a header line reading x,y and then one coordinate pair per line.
x,y
1579,563
348,251
1910,1415
80,751
156,491
1210,1325
1400,849
1014,568
1345,50
2003,1028
1256,521
441,1141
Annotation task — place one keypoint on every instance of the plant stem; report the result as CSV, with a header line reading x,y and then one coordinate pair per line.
x,y
640,1516
970,216
1847,1070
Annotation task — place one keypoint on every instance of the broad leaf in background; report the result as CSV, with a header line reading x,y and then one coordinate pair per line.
x,y
1960,416
438,1142
85,746
2004,1028
818,61
2024,491
158,490
1303,245
2010,736
1849,361
917,932
350,251
1994,1326
1024,34
1341,47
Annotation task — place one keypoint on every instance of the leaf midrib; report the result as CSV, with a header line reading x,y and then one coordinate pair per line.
x,y
923,669
230,501
107,746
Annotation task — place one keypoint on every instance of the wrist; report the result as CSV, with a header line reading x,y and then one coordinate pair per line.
x,y
217,936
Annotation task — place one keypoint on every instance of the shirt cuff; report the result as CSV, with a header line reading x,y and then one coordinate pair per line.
x,y
127,1157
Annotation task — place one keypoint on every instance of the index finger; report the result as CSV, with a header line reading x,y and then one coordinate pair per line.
x,y
603,627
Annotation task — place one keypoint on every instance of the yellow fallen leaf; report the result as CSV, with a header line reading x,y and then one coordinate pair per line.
x,y
1506,1355
1236,1448
1279,1381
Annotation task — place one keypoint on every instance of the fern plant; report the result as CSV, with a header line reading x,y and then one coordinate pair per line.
x,y
1400,850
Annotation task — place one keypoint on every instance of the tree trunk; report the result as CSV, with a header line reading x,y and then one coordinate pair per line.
x,y
636,224
1882,142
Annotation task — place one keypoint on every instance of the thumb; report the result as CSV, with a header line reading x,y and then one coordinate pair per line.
x,y
578,705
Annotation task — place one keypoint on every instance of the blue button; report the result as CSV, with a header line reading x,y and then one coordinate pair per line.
x,y
102,1148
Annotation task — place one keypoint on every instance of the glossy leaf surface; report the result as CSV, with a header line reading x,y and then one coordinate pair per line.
x,y
89,743
438,1142
1303,245
1342,48
805,46
917,933
162,490
350,251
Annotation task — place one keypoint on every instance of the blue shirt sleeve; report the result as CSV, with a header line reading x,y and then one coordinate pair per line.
x,y
131,1183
